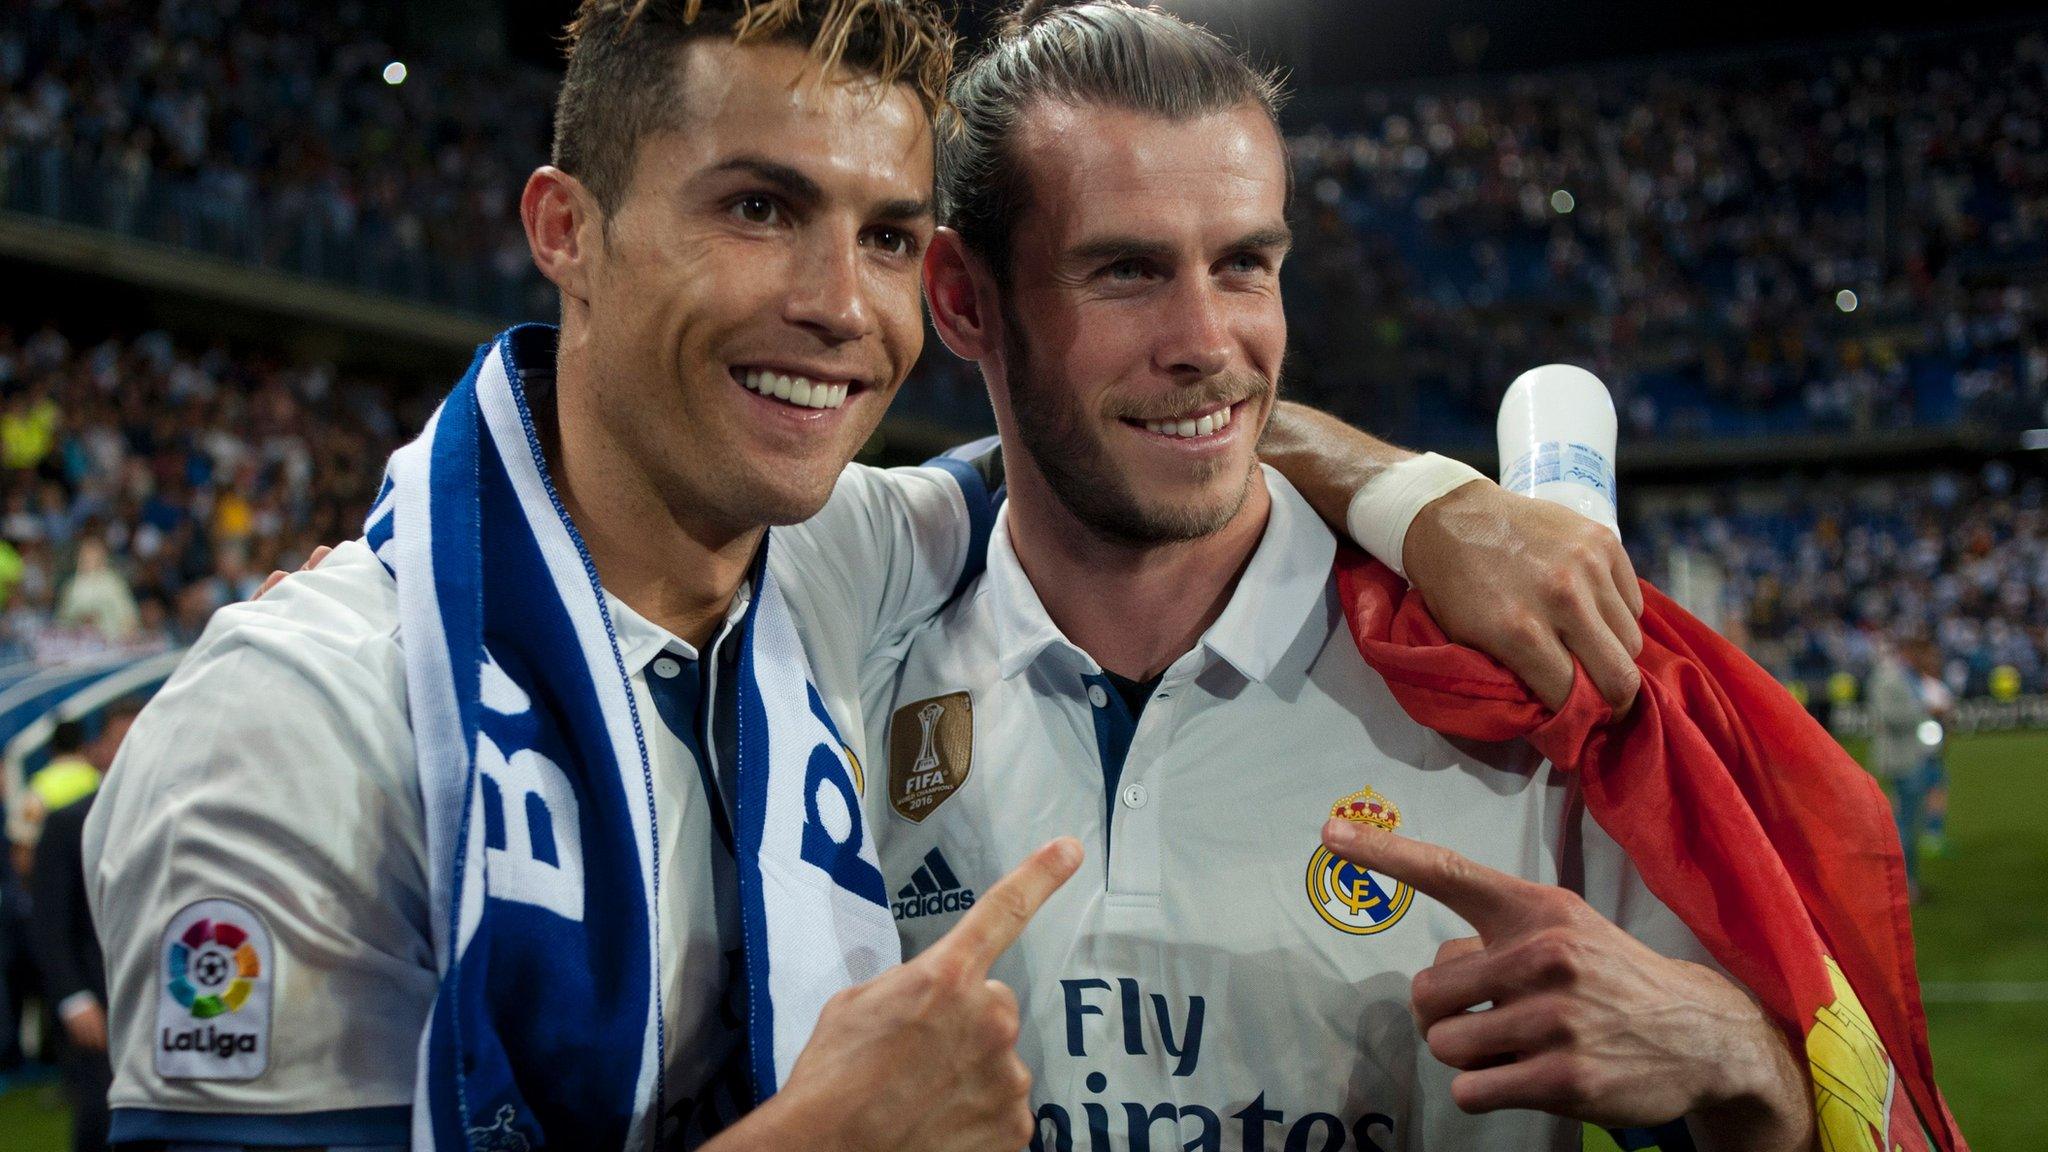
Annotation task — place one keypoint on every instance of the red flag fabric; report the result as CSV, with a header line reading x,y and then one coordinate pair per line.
x,y
1741,813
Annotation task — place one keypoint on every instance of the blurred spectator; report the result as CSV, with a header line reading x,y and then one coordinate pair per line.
x,y
73,973
67,950
17,971
96,597
1898,745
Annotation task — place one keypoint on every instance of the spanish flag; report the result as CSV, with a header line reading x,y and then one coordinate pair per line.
x,y
1741,813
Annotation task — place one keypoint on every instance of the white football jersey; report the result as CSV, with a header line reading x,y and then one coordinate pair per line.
x,y
1213,978
257,860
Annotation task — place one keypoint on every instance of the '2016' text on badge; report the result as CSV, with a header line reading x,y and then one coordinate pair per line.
x,y
931,750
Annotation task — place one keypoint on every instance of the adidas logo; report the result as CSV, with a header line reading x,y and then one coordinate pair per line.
x,y
933,889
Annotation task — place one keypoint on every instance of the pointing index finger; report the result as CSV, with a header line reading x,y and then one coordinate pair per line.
x,y
1001,913
1492,901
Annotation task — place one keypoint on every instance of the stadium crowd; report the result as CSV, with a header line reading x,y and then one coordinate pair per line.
x,y
1817,576
270,133
143,485
1827,239
1683,230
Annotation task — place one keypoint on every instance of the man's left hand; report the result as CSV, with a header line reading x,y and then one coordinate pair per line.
x,y
278,577
1531,584
1582,1020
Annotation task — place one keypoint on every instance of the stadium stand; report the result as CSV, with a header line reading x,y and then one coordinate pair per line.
x,y
1814,573
142,485
1685,229
1835,241
265,133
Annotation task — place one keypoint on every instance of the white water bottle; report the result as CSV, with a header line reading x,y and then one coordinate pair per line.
x,y
1556,437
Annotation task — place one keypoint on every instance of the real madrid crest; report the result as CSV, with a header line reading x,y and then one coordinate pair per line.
x,y
1347,897
931,749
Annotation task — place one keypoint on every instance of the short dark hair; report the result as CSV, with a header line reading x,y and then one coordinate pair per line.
x,y
1104,53
67,737
621,82
125,708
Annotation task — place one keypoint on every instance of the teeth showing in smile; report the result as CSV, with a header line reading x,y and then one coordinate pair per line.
x,y
797,390
1216,421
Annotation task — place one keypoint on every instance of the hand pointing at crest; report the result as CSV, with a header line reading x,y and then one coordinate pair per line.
x,y
922,1058
1583,1020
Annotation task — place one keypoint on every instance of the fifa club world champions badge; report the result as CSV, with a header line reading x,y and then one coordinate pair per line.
x,y
1353,899
931,751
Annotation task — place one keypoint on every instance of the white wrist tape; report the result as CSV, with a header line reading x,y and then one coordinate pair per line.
x,y
1380,513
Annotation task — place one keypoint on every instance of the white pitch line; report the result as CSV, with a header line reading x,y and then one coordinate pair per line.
x,y
1989,992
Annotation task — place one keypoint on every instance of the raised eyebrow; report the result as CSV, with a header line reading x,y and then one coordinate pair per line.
x,y
785,179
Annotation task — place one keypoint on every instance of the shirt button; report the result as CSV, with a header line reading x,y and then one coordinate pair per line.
x,y
1134,796
1097,696
666,668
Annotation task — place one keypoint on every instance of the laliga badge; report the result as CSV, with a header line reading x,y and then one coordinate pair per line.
x,y
213,994
931,749
1353,899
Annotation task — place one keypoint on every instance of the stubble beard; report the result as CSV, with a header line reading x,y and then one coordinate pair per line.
x,y
1068,451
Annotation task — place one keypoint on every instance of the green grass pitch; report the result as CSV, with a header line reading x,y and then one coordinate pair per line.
x,y
1982,933
1983,945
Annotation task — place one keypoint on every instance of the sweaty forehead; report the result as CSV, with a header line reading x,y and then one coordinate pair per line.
x,y
767,100
1092,168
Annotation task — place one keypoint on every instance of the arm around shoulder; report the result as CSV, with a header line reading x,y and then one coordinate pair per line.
x,y
890,547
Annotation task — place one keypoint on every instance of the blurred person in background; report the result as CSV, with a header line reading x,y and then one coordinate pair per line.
x,y
67,778
28,429
74,771
97,597
1899,720
67,953
1930,783
14,954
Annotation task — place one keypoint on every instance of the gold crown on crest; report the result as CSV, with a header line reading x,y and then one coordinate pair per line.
x,y
1366,806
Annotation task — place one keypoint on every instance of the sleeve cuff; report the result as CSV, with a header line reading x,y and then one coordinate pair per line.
x,y
352,1127
1381,512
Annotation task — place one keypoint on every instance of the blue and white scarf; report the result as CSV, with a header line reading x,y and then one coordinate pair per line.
x,y
539,800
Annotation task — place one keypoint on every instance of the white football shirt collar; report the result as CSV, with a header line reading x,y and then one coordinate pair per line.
x,y
1281,587
641,640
